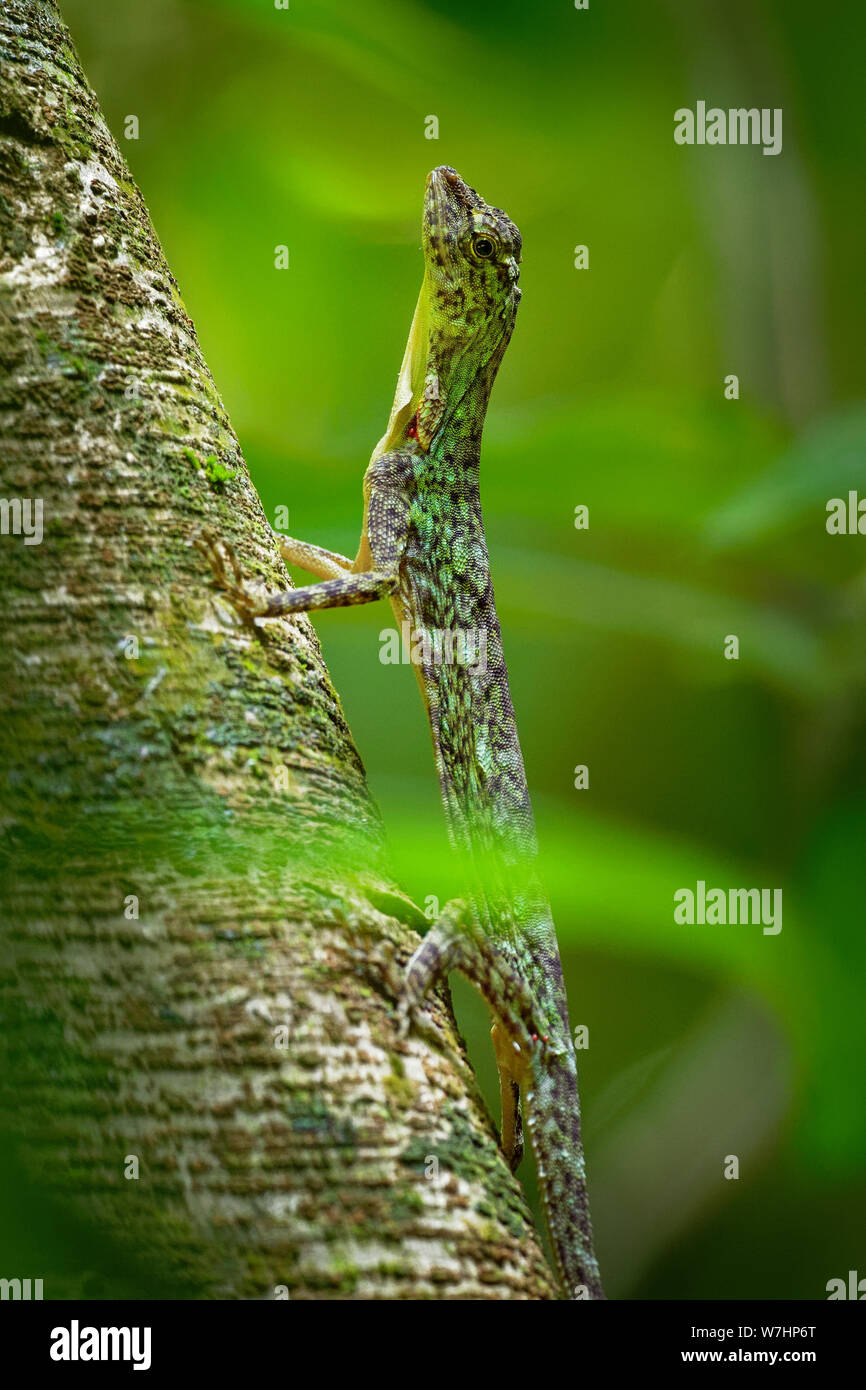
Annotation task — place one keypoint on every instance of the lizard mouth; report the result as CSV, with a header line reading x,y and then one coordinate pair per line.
x,y
447,200
446,178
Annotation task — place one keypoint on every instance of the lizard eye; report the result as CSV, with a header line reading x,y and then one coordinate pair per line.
x,y
484,246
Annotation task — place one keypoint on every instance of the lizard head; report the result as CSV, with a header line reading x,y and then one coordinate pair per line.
x,y
472,256
465,312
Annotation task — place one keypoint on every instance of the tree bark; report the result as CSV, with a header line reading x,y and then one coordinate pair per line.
x,y
195,983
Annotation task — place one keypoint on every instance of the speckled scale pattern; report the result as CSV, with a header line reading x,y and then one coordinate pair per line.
x,y
424,507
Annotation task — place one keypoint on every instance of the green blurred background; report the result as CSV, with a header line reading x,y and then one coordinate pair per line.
x,y
305,127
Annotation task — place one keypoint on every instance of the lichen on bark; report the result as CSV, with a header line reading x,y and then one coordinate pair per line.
x,y
192,971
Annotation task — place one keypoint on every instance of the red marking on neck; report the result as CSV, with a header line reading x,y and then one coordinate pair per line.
x,y
412,427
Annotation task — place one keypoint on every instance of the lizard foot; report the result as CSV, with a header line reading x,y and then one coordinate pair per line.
x,y
249,602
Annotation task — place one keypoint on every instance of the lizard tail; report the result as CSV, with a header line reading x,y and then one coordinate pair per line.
x,y
553,1122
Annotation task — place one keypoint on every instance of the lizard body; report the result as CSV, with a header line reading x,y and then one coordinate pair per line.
x,y
423,546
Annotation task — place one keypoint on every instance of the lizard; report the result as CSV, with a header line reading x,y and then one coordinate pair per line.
x,y
423,547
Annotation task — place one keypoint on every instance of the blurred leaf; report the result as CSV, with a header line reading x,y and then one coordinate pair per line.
x,y
774,645
826,462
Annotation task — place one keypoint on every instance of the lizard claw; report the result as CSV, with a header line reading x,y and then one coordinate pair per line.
x,y
227,572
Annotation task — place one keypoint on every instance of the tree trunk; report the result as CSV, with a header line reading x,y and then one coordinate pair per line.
x,y
204,1093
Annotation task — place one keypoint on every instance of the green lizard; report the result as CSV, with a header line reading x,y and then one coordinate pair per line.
x,y
423,547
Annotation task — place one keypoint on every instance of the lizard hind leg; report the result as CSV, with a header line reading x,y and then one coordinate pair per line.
x,y
324,564
452,944
511,1129
438,954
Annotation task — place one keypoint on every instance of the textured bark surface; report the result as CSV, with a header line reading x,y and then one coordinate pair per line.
x,y
193,972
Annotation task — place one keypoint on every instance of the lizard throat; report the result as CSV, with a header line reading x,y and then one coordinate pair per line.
x,y
442,381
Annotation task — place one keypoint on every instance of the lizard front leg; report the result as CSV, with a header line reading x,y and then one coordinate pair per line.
x,y
374,575
349,588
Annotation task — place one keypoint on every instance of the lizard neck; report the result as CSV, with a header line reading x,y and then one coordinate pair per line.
x,y
445,379
459,380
